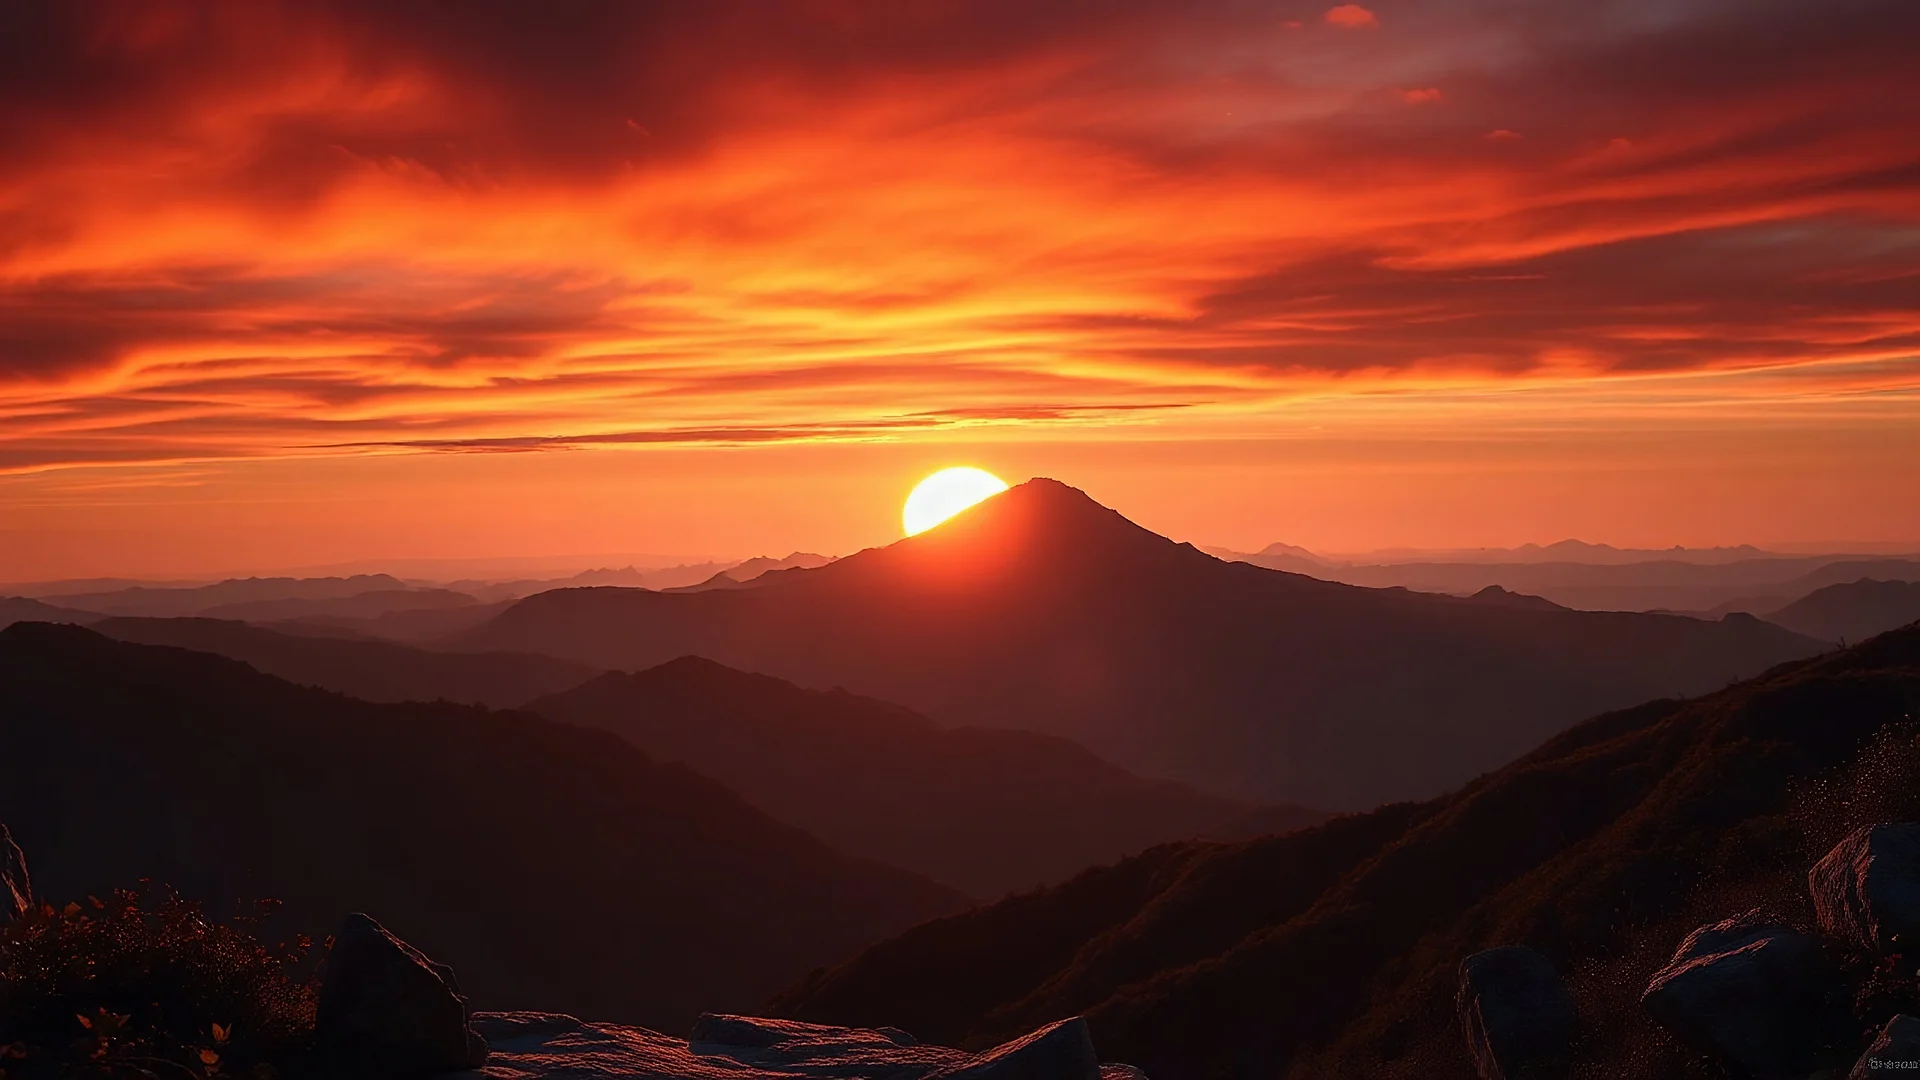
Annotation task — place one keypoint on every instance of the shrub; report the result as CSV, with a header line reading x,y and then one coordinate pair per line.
x,y
142,987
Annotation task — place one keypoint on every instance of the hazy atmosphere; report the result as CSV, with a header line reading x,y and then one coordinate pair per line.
x,y
938,540
286,285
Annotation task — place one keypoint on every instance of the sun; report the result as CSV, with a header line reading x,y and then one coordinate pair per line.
x,y
945,494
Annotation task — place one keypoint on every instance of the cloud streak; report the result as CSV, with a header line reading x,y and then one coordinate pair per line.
x,y
257,230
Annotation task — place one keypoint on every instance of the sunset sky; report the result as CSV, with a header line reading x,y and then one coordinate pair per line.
x,y
289,285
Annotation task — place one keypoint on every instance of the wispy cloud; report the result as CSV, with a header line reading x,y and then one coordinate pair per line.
x,y
268,230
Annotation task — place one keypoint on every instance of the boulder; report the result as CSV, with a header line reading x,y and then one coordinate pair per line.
x,y
1760,995
1894,1053
1060,1051
1866,891
725,1033
543,1046
385,1010
16,889
1517,1015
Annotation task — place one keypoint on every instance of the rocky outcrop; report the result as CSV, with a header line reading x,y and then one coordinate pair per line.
x,y
387,1011
1516,1013
16,889
1059,1051
1895,1052
1866,891
544,1046
1760,995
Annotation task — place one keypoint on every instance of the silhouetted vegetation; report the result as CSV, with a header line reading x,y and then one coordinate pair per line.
x,y
138,985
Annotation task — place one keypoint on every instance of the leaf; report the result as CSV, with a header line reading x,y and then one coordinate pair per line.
x,y
70,910
208,1057
84,1022
220,1033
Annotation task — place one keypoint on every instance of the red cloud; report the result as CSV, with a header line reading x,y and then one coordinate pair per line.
x,y
1351,17
383,226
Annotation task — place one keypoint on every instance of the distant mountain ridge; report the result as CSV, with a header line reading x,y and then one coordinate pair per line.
x,y
1570,551
1853,611
1755,586
984,810
141,600
552,866
371,670
15,609
1043,610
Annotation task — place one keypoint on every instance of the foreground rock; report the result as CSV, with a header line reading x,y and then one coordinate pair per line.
x,y
387,1011
1866,891
547,1046
1896,1052
1760,995
16,889
1517,1015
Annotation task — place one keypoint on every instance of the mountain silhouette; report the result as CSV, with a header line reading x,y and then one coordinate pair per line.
x,y
364,668
1332,951
1499,597
15,609
1853,611
1040,609
1582,577
164,602
366,605
985,810
551,865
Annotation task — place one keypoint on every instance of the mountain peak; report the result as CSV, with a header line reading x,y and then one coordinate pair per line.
x,y
1041,524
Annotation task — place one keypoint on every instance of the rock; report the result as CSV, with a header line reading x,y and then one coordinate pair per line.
x,y
1866,891
536,1046
1060,1051
386,1010
1760,995
1517,1015
723,1031
16,889
1896,1052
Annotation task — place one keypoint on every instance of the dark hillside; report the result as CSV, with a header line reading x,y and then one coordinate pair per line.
x,y
1603,849
553,866
982,809
368,669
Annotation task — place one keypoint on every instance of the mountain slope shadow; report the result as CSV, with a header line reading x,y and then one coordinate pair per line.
x,y
984,810
553,866
1332,952
368,669
1041,609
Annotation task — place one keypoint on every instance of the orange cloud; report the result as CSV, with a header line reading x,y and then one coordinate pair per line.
x,y
1351,17
266,233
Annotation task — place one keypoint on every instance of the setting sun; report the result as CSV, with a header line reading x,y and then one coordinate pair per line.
x,y
945,494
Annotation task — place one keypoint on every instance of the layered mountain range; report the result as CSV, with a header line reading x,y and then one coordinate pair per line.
x,y
555,866
1334,952
1042,610
986,810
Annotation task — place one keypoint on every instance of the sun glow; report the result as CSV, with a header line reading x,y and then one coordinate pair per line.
x,y
945,494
